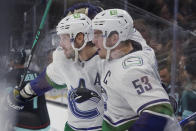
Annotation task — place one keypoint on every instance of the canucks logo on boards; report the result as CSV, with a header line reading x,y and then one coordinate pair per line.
x,y
80,95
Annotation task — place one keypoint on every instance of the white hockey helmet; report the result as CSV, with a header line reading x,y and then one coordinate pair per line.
x,y
113,20
74,24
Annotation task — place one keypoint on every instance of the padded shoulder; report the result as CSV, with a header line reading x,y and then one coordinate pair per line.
x,y
58,54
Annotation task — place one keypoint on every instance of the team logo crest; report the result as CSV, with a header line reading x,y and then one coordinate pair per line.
x,y
78,96
113,12
73,99
132,61
76,15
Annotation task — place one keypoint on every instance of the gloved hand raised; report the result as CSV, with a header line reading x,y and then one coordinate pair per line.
x,y
15,100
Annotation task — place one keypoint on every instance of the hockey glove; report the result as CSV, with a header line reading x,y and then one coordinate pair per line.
x,y
83,94
15,100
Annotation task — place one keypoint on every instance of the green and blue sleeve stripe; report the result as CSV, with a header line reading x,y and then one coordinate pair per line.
x,y
42,84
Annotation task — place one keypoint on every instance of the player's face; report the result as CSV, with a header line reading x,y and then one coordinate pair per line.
x,y
66,45
112,40
165,76
79,40
98,41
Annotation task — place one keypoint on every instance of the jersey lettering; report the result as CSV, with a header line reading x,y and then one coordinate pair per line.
x,y
82,84
141,85
108,74
29,77
97,80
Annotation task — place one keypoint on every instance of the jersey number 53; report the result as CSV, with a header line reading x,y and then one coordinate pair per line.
x,y
141,85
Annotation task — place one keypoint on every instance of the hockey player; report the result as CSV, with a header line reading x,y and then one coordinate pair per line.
x,y
136,101
35,114
74,64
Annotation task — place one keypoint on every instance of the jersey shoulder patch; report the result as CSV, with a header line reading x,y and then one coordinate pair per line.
x,y
132,61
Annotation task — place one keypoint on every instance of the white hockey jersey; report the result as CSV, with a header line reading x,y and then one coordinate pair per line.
x,y
87,115
132,84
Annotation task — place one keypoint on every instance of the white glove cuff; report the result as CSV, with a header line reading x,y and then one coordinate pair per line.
x,y
27,92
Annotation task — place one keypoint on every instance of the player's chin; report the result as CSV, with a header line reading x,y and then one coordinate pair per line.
x,y
68,55
102,56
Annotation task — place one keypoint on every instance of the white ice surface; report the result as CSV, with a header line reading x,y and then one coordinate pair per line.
x,y
58,117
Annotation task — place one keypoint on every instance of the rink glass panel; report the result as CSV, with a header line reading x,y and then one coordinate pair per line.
x,y
168,41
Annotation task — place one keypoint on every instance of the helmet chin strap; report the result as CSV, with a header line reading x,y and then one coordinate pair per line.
x,y
76,50
109,48
76,56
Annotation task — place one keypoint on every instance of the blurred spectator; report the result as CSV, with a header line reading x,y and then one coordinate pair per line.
x,y
142,27
189,94
166,13
145,31
164,66
183,76
186,13
158,47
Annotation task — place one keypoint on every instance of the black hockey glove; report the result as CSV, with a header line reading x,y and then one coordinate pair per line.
x,y
15,100
83,94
